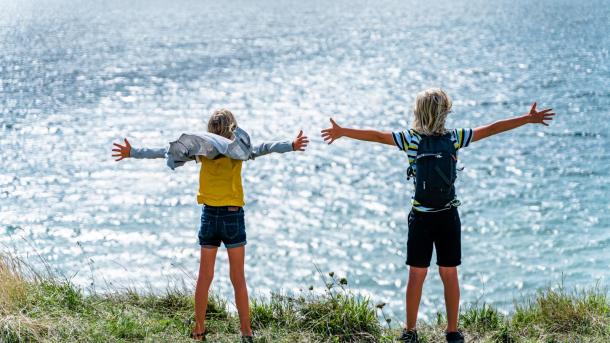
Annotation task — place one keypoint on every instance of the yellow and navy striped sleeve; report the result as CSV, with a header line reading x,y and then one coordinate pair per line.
x,y
462,138
407,141
401,139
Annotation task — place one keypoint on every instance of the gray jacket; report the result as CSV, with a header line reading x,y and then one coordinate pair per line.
x,y
209,145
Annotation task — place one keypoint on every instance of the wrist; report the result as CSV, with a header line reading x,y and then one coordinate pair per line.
x,y
341,132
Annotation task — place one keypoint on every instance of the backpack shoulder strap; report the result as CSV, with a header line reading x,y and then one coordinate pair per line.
x,y
449,135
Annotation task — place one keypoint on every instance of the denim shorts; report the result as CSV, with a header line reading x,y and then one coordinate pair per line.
x,y
219,224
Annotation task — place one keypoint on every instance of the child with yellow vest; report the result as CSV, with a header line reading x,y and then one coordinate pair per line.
x,y
221,193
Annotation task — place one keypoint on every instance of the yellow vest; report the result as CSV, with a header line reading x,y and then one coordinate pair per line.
x,y
220,182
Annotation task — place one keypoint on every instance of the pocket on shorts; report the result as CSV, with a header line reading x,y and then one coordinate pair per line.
x,y
205,233
231,227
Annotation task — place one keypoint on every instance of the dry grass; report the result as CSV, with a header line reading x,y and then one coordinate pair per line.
x,y
12,284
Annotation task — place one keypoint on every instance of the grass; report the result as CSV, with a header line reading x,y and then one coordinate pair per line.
x,y
38,307
336,316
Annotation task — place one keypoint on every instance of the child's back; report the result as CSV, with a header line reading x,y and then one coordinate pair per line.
x,y
220,182
434,220
222,196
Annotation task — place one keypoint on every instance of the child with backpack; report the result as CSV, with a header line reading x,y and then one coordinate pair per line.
x,y
434,220
220,152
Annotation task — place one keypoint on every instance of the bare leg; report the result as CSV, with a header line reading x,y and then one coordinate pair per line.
x,y
206,275
452,296
238,279
417,276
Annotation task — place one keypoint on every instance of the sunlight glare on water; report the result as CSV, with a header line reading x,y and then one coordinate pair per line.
x,y
75,78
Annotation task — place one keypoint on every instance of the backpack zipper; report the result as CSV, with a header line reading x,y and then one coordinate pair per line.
x,y
429,154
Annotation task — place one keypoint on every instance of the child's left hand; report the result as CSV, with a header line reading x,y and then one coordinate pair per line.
x,y
539,117
300,143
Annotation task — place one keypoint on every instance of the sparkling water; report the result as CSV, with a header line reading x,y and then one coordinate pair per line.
x,y
76,76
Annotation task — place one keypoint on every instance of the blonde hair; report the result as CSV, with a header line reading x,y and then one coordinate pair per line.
x,y
223,123
431,109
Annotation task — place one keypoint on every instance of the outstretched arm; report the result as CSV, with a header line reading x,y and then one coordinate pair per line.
x,y
335,132
126,151
533,117
298,144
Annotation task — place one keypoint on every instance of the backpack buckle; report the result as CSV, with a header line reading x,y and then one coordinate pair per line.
x,y
410,173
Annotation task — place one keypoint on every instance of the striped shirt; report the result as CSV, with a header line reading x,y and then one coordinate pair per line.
x,y
408,141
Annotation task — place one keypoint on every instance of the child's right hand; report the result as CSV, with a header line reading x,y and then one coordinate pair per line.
x,y
300,143
122,151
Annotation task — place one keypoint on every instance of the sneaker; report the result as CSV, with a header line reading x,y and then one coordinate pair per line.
x,y
247,339
408,336
454,337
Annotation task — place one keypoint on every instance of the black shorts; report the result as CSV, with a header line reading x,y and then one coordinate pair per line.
x,y
440,229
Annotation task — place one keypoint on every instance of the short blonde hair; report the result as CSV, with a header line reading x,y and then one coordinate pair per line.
x,y
431,109
223,123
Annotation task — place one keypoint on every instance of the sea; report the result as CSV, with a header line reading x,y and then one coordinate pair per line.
x,y
77,76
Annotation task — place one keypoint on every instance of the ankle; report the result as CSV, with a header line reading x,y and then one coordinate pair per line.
x,y
198,328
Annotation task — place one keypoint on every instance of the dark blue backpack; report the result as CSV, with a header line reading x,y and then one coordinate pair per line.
x,y
436,171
